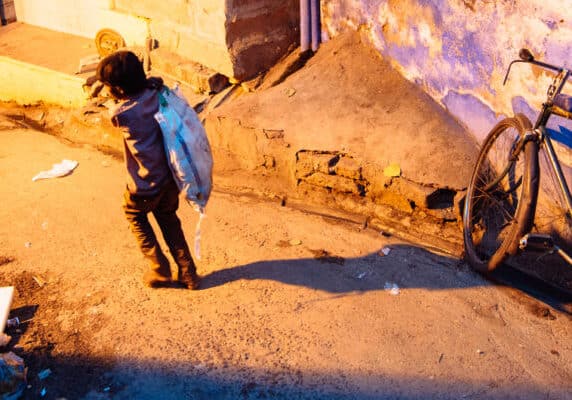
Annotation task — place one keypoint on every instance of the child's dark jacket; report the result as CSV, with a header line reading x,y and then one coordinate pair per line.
x,y
147,167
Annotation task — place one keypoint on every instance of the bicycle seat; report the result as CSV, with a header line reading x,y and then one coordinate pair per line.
x,y
564,102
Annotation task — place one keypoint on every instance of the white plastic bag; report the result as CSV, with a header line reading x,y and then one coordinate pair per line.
x,y
188,152
61,169
187,147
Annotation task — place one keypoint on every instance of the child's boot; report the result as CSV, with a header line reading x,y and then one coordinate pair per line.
x,y
159,273
189,279
187,270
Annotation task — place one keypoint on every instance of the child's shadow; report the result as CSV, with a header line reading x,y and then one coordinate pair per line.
x,y
407,265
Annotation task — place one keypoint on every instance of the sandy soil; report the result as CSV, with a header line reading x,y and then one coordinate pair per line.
x,y
293,305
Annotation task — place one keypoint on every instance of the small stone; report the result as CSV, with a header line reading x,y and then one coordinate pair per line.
x,y
39,281
384,252
295,242
290,92
392,288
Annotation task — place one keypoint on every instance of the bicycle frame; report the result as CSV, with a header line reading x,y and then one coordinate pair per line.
x,y
546,144
548,109
544,137
540,134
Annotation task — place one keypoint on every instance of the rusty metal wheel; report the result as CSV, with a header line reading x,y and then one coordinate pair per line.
x,y
108,41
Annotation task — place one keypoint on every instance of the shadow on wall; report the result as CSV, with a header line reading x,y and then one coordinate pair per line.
x,y
476,116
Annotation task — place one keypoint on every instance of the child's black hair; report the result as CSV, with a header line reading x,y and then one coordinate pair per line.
x,y
124,71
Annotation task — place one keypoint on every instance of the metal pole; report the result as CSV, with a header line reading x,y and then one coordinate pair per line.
x,y
305,34
315,23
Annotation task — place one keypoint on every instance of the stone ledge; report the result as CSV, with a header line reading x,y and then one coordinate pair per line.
x,y
200,78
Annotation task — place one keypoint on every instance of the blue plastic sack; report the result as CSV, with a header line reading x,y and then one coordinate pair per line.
x,y
187,147
188,152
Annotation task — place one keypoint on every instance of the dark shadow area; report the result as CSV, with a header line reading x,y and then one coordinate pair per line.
x,y
7,12
550,295
110,377
335,274
78,377
24,316
3,20
407,266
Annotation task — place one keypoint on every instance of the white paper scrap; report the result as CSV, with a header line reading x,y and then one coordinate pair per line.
x,y
61,169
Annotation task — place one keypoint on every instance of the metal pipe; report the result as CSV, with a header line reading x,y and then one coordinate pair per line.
x,y
305,23
315,23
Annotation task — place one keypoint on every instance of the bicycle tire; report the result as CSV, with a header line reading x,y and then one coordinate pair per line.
x,y
502,194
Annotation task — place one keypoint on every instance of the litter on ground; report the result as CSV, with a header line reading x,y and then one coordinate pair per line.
x,y
384,252
392,288
58,170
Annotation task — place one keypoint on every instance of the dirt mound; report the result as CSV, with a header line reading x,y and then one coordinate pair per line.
x,y
347,98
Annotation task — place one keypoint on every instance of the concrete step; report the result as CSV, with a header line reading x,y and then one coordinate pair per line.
x,y
200,78
42,65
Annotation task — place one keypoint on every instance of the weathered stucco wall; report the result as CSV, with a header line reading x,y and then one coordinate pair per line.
x,y
238,38
458,50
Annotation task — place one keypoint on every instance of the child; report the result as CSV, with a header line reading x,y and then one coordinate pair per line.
x,y
150,184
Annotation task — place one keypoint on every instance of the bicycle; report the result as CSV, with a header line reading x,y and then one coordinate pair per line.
x,y
502,196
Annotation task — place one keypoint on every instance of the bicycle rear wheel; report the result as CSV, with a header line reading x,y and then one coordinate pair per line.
x,y
502,194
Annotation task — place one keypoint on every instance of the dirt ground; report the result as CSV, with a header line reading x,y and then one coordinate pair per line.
x,y
293,305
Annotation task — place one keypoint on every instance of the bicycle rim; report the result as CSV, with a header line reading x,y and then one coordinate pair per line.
x,y
501,197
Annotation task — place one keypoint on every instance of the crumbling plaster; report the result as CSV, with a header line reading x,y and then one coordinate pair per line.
x,y
458,50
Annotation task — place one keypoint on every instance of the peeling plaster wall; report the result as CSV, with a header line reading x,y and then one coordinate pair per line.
x,y
458,50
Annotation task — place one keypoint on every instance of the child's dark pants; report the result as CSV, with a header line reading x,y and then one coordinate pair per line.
x,y
164,207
